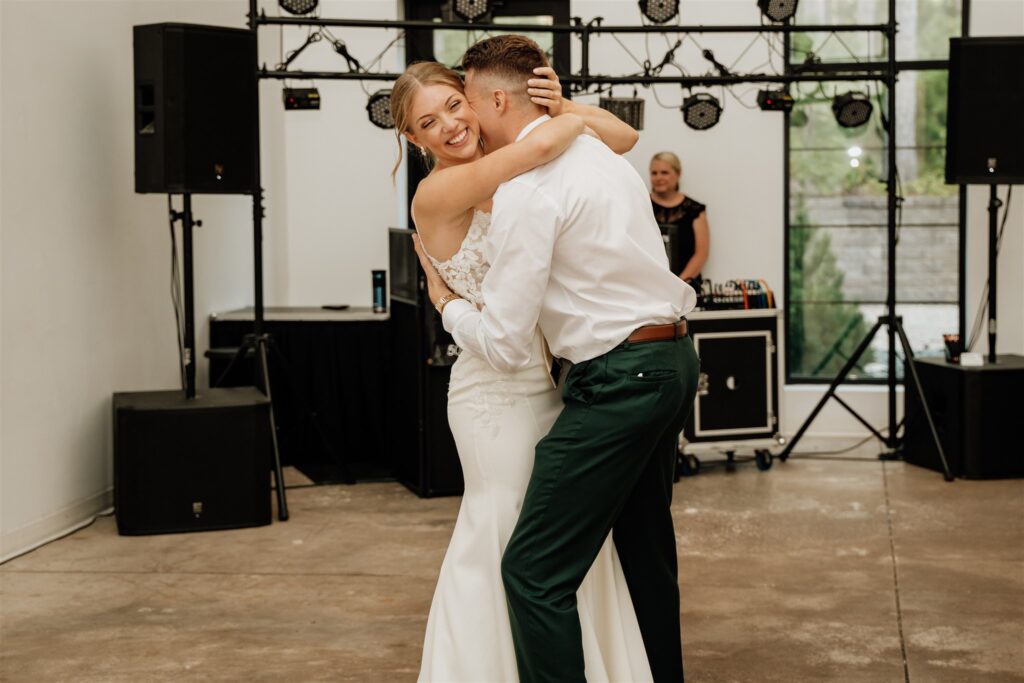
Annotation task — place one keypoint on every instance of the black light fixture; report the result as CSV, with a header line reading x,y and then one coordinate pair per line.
x,y
629,109
660,11
778,10
301,98
379,109
701,111
298,6
852,109
473,11
774,100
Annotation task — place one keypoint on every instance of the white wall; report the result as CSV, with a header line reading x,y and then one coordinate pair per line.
x,y
339,194
736,167
84,266
997,18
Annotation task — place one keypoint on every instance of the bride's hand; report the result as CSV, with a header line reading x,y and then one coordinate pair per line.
x,y
546,91
436,287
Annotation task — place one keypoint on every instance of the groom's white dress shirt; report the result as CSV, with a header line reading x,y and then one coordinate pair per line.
x,y
574,248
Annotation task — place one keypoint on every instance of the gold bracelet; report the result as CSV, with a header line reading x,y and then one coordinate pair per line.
x,y
445,300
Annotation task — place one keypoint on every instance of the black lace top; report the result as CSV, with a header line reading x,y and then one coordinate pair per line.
x,y
677,226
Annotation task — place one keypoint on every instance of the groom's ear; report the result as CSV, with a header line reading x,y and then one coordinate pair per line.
x,y
499,101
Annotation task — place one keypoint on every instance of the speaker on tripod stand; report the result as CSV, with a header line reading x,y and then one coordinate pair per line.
x,y
184,461
984,146
985,137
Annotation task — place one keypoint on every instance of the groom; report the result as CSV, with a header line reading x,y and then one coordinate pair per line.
x,y
574,248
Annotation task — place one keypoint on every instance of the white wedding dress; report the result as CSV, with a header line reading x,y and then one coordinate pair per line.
x,y
497,418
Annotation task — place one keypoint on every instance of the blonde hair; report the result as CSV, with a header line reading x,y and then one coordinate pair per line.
x,y
415,77
672,160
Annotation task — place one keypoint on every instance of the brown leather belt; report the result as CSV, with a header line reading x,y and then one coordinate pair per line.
x,y
664,332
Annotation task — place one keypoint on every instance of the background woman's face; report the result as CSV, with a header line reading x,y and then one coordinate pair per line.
x,y
663,177
442,121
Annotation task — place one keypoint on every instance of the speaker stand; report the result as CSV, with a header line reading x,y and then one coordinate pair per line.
x,y
993,256
895,326
189,336
258,344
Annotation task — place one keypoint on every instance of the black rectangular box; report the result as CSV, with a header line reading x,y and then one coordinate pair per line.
x,y
976,412
196,99
190,465
984,135
738,387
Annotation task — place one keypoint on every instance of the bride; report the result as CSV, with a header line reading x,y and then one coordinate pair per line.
x,y
497,418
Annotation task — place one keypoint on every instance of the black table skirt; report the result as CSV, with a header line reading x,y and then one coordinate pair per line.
x,y
329,381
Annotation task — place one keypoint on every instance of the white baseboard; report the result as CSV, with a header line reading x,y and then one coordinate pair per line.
x,y
53,526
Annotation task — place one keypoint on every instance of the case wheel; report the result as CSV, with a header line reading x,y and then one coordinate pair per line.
x,y
689,465
763,459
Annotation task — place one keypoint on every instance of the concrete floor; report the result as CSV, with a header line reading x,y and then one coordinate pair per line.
x,y
819,570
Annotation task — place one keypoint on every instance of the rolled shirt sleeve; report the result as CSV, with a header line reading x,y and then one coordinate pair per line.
x,y
524,225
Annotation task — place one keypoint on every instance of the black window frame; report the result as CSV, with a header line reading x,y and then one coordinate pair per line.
x,y
901,66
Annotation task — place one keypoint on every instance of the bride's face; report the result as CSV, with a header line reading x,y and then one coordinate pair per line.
x,y
442,121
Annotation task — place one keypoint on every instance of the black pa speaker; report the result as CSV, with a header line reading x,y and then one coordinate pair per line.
x,y
191,465
422,355
985,133
976,412
196,103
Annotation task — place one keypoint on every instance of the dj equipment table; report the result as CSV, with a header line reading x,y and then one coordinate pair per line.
x,y
330,374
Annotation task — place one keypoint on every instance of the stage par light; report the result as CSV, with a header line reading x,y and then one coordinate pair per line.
x,y
471,10
379,109
629,109
298,6
701,111
778,10
659,11
852,109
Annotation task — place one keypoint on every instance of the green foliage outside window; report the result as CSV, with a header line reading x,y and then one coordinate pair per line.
x,y
837,176
821,337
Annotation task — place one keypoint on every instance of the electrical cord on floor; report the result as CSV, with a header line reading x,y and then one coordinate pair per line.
x,y
64,534
812,455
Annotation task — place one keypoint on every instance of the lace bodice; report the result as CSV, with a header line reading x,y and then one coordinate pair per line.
x,y
465,270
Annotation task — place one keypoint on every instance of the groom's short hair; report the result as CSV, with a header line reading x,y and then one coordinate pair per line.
x,y
512,58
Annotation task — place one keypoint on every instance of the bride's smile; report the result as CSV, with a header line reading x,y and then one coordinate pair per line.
x,y
443,123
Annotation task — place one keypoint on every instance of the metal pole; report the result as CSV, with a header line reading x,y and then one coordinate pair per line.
x,y
569,28
704,80
993,257
190,327
891,440
786,217
584,56
257,188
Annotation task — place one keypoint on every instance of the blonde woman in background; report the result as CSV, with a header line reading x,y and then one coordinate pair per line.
x,y
684,218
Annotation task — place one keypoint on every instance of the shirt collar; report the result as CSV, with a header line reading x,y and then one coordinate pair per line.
x,y
530,126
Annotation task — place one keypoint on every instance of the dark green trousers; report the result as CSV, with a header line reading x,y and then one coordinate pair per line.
x,y
606,466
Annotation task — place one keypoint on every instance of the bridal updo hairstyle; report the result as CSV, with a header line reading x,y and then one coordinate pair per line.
x,y
415,77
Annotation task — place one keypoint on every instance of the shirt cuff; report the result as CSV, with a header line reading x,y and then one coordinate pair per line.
x,y
453,310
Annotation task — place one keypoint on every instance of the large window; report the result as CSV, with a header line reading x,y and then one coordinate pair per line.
x,y
449,46
836,235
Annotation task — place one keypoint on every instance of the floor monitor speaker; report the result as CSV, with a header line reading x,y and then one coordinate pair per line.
x,y
191,464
